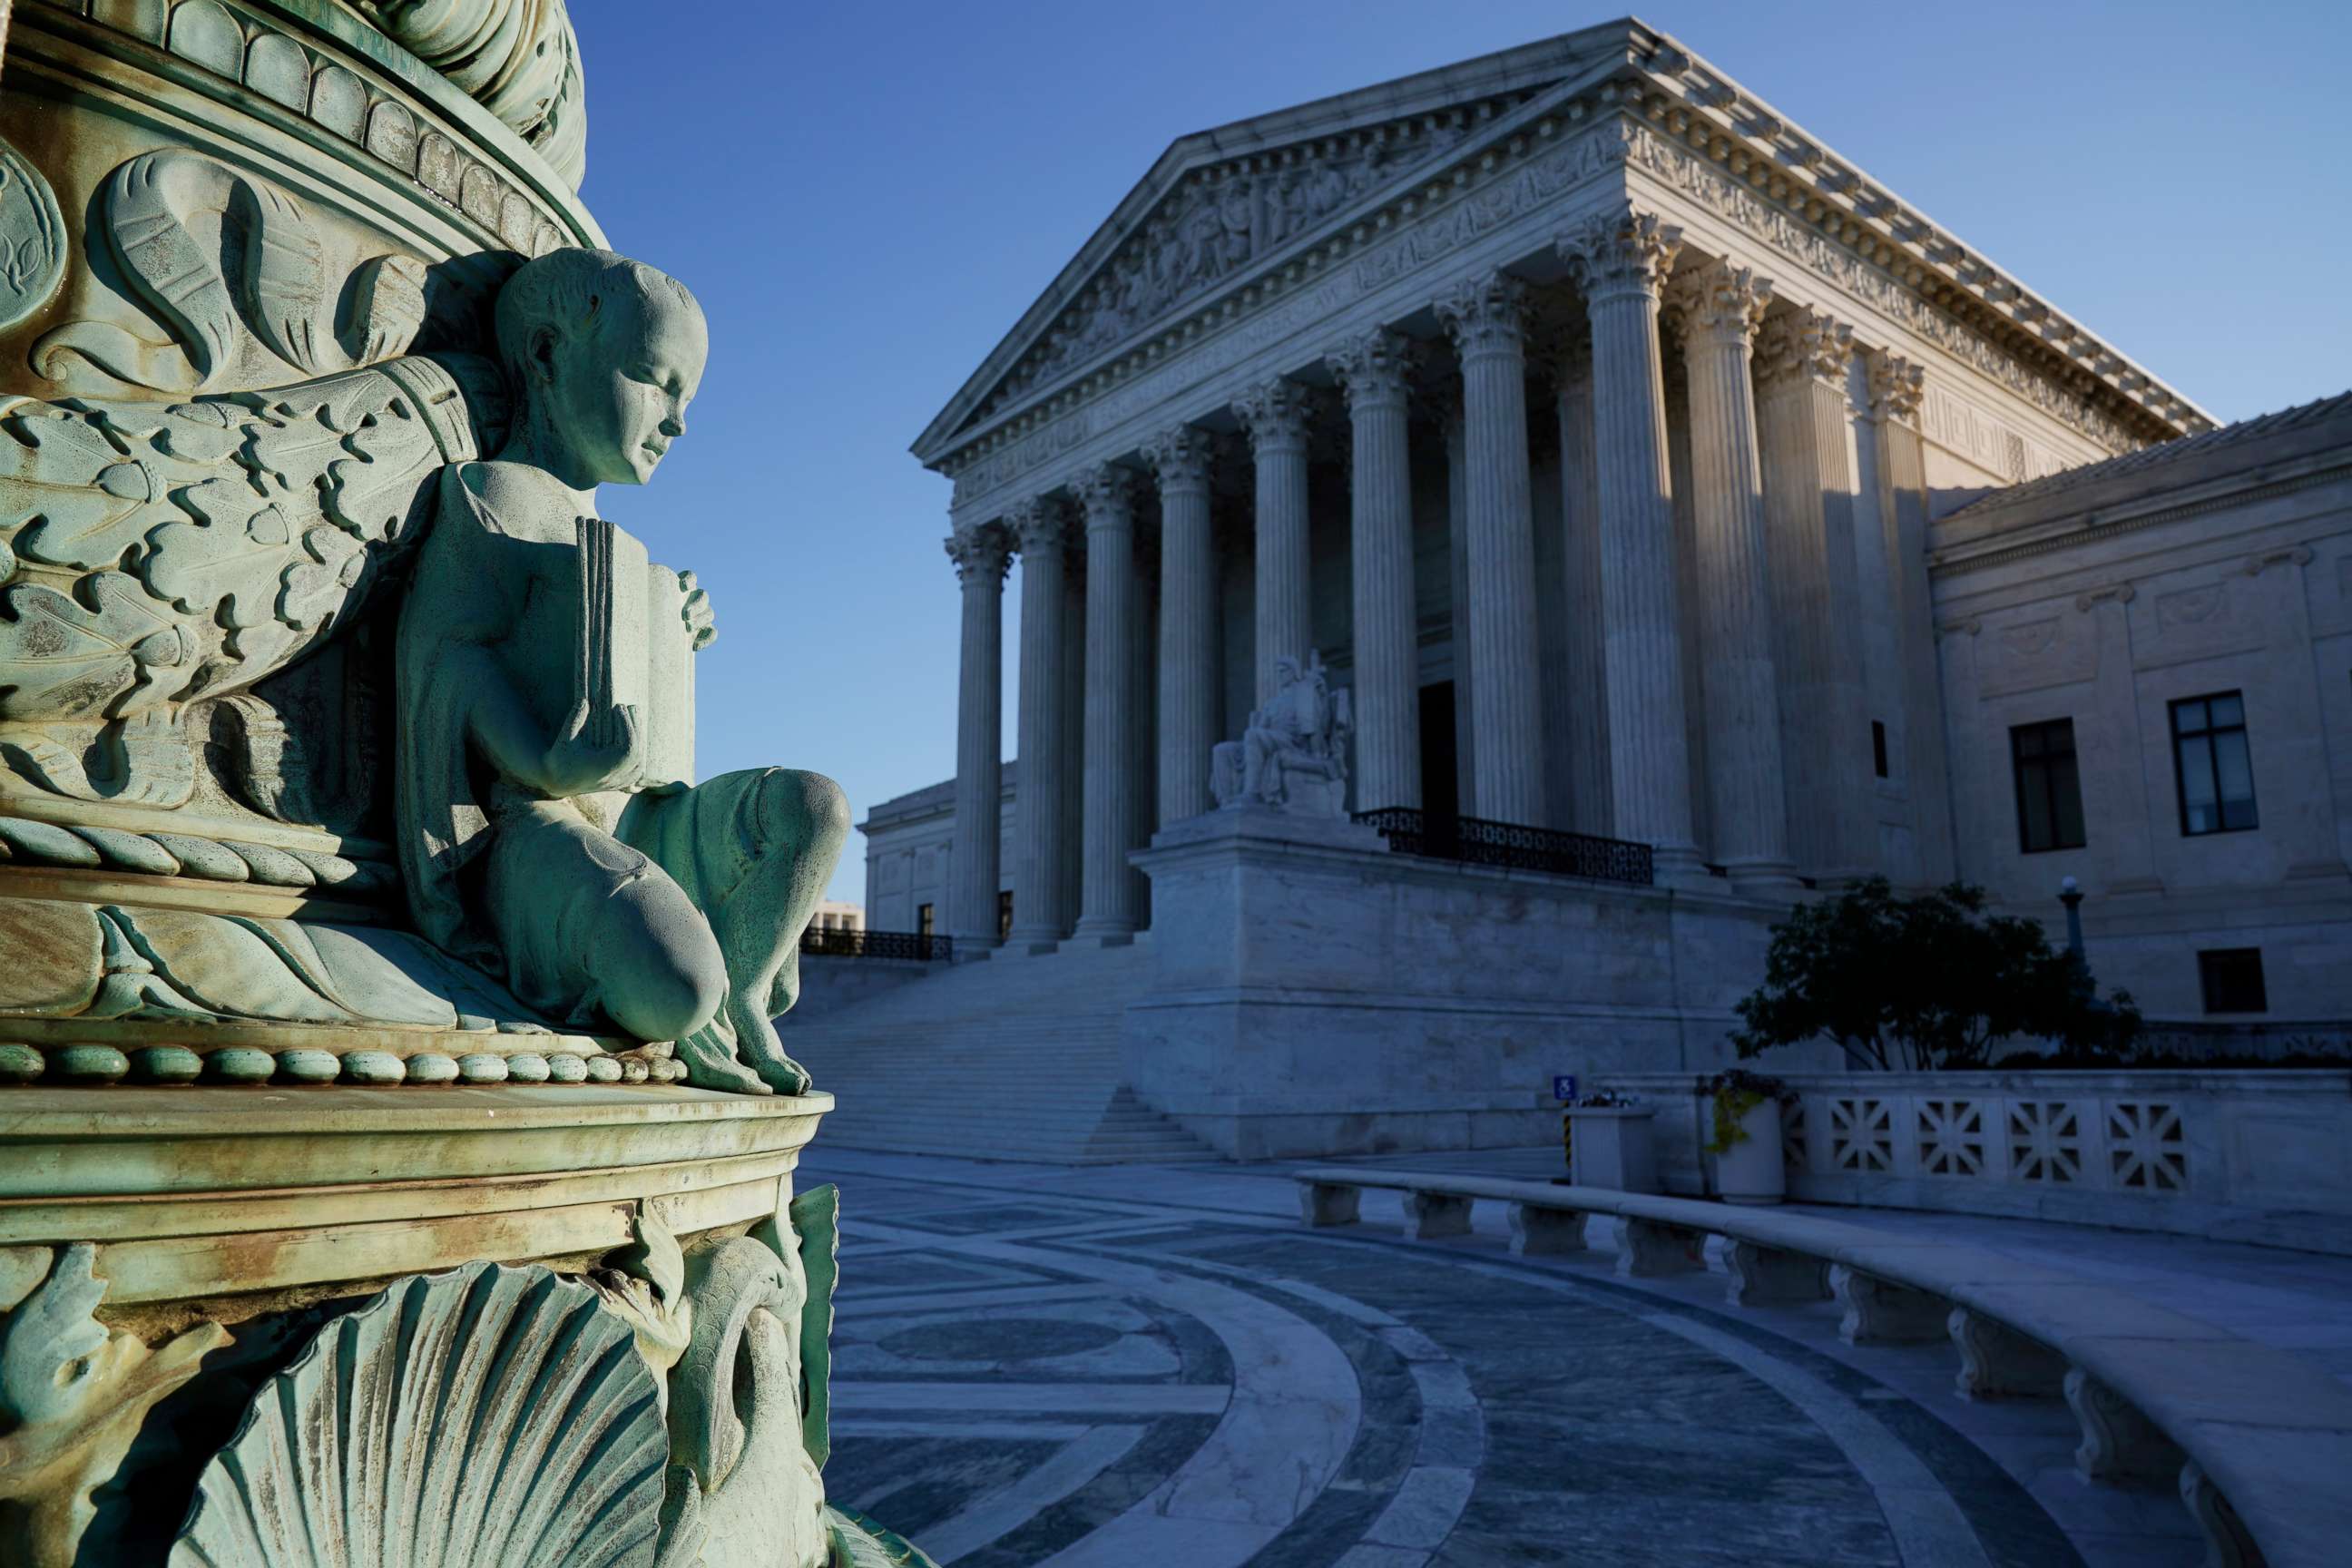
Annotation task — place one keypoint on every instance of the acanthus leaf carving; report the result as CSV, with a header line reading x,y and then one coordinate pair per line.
x,y
73,1395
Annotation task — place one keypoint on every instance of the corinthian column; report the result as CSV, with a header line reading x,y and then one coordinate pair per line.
x,y
1809,485
1188,621
1107,902
1586,671
1040,907
1276,416
1720,306
980,555
1373,372
1620,260
1487,318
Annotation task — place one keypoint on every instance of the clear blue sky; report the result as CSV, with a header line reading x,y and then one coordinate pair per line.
x,y
866,197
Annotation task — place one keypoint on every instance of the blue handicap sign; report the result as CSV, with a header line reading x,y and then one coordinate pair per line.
x,y
1563,1086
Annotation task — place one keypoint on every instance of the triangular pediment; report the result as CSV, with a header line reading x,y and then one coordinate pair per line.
x,y
1223,203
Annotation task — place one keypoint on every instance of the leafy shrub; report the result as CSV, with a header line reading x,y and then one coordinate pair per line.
x,y
1930,982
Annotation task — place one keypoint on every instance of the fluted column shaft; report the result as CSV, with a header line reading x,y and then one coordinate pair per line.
x,y
1896,388
1720,309
1189,643
1586,670
1448,401
1372,369
1808,487
1040,909
1073,709
1275,416
1487,319
1107,902
1621,259
980,555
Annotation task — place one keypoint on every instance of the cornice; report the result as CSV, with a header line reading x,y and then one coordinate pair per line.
x,y
1805,199
1694,104
2108,522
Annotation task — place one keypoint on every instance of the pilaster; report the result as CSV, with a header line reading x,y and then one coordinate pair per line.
x,y
1896,388
1808,488
980,555
1375,374
1487,318
1620,260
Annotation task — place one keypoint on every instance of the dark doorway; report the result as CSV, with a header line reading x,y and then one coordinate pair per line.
x,y
1440,794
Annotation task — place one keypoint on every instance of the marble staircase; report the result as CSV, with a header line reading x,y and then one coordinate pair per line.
x,y
1007,1059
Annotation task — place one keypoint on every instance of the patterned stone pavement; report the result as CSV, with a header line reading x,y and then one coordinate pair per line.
x,y
1159,1366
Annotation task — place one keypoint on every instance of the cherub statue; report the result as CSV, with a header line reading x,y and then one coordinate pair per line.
x,y
1293,755
533,841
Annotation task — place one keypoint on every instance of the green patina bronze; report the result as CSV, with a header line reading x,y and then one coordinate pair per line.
x,y
400,1139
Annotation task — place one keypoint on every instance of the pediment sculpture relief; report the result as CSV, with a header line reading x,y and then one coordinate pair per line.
x,y
1214,228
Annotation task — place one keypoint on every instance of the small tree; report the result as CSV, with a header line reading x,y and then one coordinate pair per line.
x,y
1925,982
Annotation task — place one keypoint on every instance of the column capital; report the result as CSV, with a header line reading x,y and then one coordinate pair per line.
x,y
1041,522
1719,304
1374,368
1486,314
1897,385
982,554
1275,413
1624,251
1802,343
1106,493
1181,456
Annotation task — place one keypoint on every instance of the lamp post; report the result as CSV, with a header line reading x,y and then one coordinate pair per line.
x,y
2070,894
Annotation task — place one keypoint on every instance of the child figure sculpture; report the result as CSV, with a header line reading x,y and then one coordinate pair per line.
x,y
531,840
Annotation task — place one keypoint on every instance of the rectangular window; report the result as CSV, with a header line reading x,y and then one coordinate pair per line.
x,y
1004,914
922,920
1878,747
2232,978
2049,788
2211,762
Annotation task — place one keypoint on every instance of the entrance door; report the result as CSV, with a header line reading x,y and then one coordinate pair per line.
x,y
1440,795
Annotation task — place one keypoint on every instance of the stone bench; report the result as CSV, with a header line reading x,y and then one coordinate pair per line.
x,y
2260,1442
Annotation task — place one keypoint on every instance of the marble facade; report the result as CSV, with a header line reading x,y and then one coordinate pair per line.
x,y
1575,399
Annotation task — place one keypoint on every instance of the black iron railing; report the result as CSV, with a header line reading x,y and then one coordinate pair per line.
x,y
920,946
1473,841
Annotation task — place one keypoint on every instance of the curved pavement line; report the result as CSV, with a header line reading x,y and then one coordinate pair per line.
x,y
1928,1527
995,1514
1294,1414
1451,1446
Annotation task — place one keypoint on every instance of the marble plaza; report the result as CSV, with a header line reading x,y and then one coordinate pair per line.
x,y
1674,520
1035,1365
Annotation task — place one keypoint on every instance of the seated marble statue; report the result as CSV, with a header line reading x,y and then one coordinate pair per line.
x,y
535,842
1294,754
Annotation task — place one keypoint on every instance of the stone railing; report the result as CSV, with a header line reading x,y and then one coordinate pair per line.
x,y
2260,1156
2258,1440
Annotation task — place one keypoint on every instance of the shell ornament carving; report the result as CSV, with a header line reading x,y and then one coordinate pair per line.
x,y
491,1417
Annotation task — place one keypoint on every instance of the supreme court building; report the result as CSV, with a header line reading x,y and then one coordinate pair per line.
x,y
1646,472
